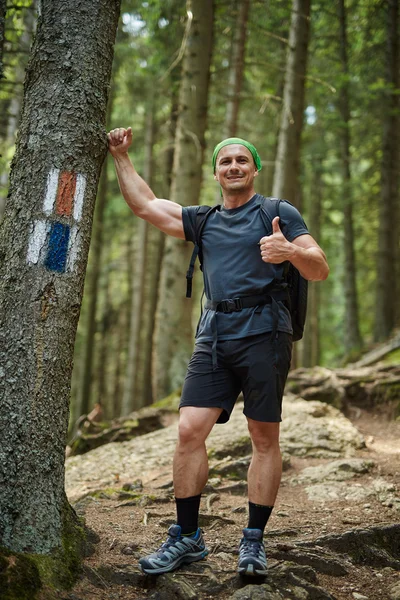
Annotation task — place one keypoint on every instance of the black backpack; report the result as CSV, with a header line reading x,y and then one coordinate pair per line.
x,y
296,285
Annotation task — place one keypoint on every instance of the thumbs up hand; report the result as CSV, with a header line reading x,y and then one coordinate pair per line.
x,y
275,248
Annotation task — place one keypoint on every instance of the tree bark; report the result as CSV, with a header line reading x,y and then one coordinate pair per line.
x,y
387,283
91,289
173,323
236,69
288,154
102,395
311,340
43,254
352,338
131,400
3,10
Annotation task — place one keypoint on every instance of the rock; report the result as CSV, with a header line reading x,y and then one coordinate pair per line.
x,y
325,492
358,596
237,469
308,429
256,592
237,489
174,587
375,546
300,580
317,430
282,570
337,470
300,593
394,592
322,561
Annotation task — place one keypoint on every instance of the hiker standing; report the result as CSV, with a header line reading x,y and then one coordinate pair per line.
x,y
244,337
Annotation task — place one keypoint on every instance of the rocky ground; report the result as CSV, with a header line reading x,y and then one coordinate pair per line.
x,y
332,535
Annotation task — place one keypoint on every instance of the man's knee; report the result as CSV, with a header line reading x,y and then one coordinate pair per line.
x,y
264,436
195,425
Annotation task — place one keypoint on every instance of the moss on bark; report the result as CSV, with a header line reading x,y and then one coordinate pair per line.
x,y
40,576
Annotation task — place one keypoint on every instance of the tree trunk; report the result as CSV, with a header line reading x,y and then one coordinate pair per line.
x,y
157,244
91,289
173,326
163,188
311,340
119,343
352,338
131,400
288,154
3,10
236,70
102,395
14,107
43,249
387,284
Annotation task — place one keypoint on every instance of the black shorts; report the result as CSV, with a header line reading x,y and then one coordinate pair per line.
x,y
256,365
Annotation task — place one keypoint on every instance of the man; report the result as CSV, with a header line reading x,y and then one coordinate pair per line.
x,y
247,349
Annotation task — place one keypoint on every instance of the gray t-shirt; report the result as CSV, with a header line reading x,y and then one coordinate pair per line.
x,y
232,266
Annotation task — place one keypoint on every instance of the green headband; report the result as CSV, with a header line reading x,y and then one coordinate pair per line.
x,y
227,142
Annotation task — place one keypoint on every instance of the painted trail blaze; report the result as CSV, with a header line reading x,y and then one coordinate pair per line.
x,y
54,240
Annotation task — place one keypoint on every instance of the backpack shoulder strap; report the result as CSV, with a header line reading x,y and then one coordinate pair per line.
x,y
269,210
201,216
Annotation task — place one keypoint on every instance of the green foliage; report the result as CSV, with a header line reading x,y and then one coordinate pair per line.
x,y
146,77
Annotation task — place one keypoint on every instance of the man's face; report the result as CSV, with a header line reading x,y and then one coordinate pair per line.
x,y
235,169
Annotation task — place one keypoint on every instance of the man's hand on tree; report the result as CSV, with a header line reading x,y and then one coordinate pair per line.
x,y
275,248
119,140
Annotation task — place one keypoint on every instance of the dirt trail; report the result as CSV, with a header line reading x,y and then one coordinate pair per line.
x,y
128,527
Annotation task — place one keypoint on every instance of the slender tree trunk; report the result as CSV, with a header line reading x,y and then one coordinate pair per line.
x,y
44,245
131,399
287,168
119,343
14,108
157,244
353,340
102,395
311,340
266,176
236,69
3,10
387,284
173,326
157,240
91,289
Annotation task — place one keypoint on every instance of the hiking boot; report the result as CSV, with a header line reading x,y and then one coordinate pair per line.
x,y
252,559
176,551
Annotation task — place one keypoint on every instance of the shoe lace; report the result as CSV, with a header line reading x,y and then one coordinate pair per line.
x,y
170,542
251,547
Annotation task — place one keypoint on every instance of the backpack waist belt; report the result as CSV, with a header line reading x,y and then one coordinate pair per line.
x,y
230,305
237,304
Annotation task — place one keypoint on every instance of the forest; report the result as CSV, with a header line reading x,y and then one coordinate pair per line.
x,y
94,319
315,87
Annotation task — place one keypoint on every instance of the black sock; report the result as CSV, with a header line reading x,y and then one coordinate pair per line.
x,y
187,510
258,516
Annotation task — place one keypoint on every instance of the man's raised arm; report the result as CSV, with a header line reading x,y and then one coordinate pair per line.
x,y
163,214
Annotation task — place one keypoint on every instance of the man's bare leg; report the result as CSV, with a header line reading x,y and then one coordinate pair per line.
x,y
190,468
264,477
190,477
265,471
